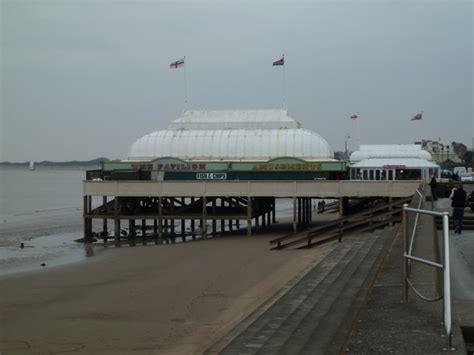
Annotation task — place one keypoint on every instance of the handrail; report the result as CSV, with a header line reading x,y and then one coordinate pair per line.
x,y
338,231
420,196
307,233
445,266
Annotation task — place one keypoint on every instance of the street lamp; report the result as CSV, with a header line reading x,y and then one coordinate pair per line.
x,y
345,146
442,154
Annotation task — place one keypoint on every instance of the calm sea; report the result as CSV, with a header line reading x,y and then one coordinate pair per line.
x,y
42,209
24,191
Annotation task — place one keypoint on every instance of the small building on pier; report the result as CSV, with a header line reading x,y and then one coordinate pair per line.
x,y
392,162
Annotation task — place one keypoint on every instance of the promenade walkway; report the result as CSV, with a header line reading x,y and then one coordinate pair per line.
x,y
388,325
352,302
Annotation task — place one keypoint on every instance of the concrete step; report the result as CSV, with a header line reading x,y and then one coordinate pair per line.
x,y
465,226
253,338
468,223
285,326
320,318
328,340
311,306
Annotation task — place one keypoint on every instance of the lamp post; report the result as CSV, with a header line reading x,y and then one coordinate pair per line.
x,y
442,155
345,147
438,147
447,154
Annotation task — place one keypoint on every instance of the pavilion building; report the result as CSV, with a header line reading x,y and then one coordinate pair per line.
x,y
392,162
230,145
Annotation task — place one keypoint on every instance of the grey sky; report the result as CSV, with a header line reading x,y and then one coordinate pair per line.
x,y
82,79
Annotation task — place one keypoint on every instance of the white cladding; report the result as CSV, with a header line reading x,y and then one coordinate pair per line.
x,y
409,163
390,151
234,119
232,135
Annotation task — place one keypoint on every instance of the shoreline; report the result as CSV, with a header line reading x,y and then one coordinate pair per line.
x,y
177,298
48,238
58,228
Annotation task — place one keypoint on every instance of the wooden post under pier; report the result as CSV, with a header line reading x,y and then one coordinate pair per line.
x,y
87,220
144,231
204,218
116,220
160,220
295,215
249,216
214,222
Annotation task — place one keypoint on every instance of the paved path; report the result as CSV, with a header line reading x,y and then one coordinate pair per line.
x,y
462,266
376,320
314,315
462,256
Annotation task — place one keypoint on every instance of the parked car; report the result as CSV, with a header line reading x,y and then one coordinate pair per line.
x,y
470,201
459,170
446,174
466,177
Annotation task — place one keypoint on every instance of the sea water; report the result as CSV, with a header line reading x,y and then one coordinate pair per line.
x,y
42,209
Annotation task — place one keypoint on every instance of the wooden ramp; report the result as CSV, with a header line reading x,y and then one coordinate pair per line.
x,y
374,218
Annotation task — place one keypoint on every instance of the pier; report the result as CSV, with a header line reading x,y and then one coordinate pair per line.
x,y
166,206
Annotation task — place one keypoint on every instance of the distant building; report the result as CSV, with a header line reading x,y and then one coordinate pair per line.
x,y
342,155
444,152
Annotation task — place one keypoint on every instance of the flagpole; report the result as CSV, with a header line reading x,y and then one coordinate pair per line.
x,y
419,133
358,129
284,104
420,130
185,84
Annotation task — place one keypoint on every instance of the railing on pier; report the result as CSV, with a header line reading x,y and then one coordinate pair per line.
x,y
370,219
409,240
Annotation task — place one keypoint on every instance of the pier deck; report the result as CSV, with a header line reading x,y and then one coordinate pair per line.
x,y
294,188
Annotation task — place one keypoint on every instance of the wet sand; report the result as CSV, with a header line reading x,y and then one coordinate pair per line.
x,y
176,299
48,236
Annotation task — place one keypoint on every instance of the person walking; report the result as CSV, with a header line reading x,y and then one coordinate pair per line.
x,y
458,204
434,185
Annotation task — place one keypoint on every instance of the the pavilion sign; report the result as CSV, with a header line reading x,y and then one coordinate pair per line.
x,y
172,167
394,166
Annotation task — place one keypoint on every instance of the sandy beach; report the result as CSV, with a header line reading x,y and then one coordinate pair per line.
x,y
177,298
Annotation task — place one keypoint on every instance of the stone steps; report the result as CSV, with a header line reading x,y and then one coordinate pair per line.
x,y
315,315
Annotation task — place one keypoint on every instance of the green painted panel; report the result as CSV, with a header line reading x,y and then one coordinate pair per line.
x,y
108,166
278,164
167,164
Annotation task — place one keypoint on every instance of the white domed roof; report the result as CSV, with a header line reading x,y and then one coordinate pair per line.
x,y
232,135
390,151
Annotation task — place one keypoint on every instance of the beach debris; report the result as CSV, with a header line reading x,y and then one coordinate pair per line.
x,y
82,240
43,264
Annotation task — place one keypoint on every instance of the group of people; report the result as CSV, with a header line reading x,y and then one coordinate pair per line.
x,y
458,199
321,206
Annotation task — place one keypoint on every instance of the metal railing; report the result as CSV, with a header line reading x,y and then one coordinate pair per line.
x,y
408,257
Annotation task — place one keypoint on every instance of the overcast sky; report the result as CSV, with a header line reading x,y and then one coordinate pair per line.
x,y
83,79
